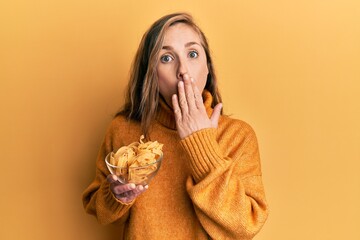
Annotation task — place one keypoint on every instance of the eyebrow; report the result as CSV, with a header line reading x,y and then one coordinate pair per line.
x,y
186,45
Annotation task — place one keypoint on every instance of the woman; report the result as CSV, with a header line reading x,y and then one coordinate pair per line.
x,y
209,185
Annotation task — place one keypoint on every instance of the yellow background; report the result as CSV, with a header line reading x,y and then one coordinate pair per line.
x,y
289,68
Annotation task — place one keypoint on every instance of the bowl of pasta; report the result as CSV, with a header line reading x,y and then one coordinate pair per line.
x,y
136,163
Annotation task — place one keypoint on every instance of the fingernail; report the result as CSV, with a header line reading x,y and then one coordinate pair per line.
x,y
181,83
132,186
192,79
146,187
186,76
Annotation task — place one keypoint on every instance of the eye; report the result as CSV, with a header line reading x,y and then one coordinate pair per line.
x,y
166,58
193,54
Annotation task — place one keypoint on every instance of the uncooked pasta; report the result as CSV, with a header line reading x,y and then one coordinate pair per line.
x,y
135,161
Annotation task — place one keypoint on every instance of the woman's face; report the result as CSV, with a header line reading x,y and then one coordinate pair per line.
x,y
182,53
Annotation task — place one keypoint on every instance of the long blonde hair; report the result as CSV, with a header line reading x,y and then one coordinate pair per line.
x,y
142,97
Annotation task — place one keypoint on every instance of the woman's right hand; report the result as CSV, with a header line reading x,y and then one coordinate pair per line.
x,y
125,192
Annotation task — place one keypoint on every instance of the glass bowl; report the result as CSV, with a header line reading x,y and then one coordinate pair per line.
x,y
137,175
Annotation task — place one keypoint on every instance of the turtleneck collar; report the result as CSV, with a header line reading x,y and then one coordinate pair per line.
x,y
165,115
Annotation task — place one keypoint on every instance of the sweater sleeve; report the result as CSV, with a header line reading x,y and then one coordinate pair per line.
x,y
226,185
98,200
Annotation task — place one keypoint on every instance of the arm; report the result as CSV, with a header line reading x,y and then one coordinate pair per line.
x,y
98,199
226,186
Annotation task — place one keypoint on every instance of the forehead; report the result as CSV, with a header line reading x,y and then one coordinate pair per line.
x,y
181,33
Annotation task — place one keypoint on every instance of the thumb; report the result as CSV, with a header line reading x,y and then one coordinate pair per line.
x,y
111,178
216,115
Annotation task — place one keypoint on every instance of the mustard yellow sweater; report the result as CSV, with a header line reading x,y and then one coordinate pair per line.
x,y
208,187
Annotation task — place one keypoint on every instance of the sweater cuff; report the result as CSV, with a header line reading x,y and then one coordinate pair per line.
x,y
204,152
114,205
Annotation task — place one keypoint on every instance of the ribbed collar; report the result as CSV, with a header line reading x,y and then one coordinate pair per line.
x,y
165,115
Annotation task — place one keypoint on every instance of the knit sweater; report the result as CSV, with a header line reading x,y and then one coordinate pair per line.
x,y
209,185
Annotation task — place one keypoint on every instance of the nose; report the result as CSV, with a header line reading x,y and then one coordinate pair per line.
x,y
182,69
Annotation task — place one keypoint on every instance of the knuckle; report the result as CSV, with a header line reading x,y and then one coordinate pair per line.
x,y
116,190
187,118
191,99
178,119
119,189
182,102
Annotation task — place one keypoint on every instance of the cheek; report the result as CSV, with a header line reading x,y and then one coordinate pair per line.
x,y
202,77
167,85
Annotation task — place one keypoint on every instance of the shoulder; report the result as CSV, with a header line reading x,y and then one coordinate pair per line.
x,y
119,121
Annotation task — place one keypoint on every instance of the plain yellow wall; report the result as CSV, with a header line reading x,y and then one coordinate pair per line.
x,y
289,68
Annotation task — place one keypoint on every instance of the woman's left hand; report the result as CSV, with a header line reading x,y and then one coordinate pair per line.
x,y
189,109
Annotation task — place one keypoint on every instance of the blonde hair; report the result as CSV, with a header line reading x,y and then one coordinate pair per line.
x,y
142,97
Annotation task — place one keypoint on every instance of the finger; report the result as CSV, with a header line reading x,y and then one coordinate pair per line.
x,y
189,92
131,195
125,197
139,189
182,98
111,178
119,189
176,107
198,97
216,115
